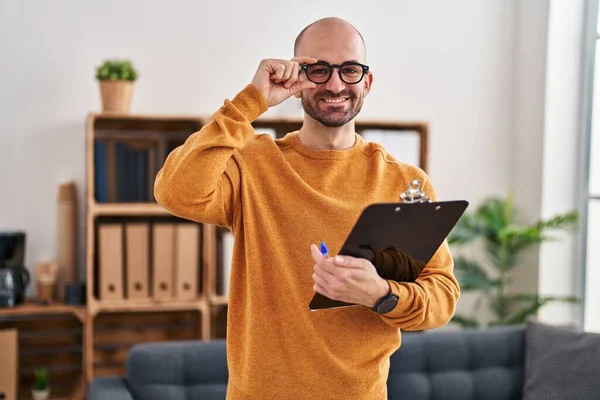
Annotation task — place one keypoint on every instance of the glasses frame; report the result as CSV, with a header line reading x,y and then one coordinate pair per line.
x,y
364,68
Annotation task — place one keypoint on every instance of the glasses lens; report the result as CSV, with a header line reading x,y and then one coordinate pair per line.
x,y
318,73
351,73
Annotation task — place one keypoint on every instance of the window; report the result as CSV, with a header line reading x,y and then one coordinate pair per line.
x,y
591,218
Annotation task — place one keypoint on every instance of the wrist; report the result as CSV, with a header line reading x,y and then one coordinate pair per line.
x,y
250,102
383,290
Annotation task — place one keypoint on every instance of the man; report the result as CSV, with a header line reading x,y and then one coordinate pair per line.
x,y
279,198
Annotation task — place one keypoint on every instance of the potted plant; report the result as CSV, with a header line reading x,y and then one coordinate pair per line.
x,y
495,224
41,389
116,79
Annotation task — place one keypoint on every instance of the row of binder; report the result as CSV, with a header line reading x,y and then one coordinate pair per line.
x,y
9,362
143,260
224,258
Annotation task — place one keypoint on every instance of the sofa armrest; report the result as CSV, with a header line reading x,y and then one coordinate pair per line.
x,y
108,388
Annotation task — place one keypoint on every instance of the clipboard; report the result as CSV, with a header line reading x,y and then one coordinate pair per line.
x,y
418,229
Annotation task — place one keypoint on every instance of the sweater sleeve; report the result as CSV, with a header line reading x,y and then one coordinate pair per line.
x,y
200,180
392,263
430,301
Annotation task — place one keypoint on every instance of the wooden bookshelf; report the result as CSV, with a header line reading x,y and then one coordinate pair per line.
x,y
32,307
219,300
126,209
120,195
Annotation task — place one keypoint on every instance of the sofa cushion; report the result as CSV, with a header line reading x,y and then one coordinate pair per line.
x,y
178,370
108,387
561,363
466,365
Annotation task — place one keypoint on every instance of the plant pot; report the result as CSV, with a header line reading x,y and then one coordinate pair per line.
x,y
40,394
116,96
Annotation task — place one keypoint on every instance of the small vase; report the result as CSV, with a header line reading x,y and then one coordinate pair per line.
x,y
40,394
116,96
45,290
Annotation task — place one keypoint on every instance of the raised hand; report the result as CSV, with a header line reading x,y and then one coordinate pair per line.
x,y
278,80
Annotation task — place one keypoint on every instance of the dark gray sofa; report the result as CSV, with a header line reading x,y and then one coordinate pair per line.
x,y
490,364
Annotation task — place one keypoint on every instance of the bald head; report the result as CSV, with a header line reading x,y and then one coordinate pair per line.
x,y
333,31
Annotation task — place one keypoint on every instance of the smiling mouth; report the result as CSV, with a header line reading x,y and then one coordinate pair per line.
x,y
338,100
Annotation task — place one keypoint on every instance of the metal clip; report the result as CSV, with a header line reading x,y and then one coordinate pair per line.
x,y
414,194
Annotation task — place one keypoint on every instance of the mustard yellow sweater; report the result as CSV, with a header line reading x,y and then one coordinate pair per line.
x,y
278,197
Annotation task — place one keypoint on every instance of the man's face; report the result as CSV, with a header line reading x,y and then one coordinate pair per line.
x,y
334,103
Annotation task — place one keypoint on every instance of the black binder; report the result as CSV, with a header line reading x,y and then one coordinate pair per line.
x,y
417,229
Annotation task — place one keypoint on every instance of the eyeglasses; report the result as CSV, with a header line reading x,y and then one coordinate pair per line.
x,y
350,72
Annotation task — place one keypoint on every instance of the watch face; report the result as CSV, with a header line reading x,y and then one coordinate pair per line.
x,y
387,305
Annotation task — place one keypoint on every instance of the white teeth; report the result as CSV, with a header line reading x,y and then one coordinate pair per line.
x,y
334,100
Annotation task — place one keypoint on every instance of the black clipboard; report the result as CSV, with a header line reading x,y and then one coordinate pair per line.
x,y
417,229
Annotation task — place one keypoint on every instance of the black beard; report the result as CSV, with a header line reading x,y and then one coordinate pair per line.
x,y
323,118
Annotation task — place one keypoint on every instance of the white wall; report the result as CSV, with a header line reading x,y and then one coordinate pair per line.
x,y
449,63
547,168
559,268
526,162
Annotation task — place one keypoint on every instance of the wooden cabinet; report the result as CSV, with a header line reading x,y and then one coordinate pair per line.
x,y
49,336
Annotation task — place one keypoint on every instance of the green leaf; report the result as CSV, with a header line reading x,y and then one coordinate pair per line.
x,y
465,322
516,232
501,307
568,222
41,379
493,213
535,304
504,238
493,252
467,229
116,70
471,276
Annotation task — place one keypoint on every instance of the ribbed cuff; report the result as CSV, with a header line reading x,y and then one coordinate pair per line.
x,y
403,307
250,102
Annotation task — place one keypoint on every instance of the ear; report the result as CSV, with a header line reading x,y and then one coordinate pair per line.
x,y
298,94
368,81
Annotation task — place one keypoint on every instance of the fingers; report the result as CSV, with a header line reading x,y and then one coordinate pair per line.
x,y
282,70
324,282
322,262
293,76
305,60
278,73
288,72
315,253
322,290
303,85
295,83
330,263
322,278
326,266
350,262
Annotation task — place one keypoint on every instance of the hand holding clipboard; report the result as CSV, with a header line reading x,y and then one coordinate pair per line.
x,y
411,230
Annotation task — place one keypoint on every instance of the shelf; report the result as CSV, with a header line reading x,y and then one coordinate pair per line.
x,y
127,209
166,123
219,300
144,117
142,136
147,305
32,307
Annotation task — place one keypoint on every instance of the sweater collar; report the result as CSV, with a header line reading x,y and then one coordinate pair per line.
x,y
293,140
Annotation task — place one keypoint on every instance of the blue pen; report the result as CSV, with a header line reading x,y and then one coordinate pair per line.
x,y
324,250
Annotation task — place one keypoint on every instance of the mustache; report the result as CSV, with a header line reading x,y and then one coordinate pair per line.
x,y
327,94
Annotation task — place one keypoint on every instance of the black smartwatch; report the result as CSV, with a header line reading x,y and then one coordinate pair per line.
x,y
386,304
